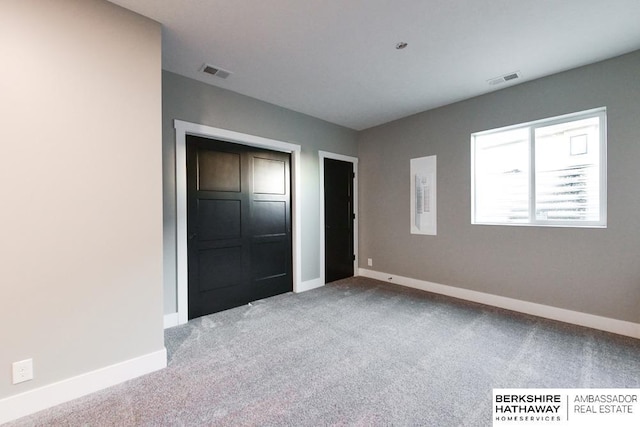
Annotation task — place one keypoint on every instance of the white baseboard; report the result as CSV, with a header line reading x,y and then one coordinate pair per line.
x,y
607,324
171,320
308,285
29,402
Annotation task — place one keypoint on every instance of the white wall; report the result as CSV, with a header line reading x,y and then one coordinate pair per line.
x,y
81,189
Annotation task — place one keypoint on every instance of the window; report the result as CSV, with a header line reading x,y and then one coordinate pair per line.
x,y
550,172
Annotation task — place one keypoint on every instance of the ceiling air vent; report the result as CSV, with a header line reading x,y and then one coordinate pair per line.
x,y
215,71
505,78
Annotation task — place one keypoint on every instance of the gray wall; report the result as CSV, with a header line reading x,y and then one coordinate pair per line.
x,y
80,178
595,271
196,102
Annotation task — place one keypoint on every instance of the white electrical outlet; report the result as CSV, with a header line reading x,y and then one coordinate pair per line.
x,y
369,262
22,371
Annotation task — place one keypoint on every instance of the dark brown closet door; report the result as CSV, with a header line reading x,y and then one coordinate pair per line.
x,y
239,224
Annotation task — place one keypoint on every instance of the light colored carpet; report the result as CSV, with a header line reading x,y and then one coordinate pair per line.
x,y
356,352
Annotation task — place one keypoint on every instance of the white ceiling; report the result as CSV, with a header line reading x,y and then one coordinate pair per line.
x,y
336,59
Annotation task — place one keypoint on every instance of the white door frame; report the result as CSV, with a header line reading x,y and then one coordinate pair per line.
x,y
183,129
354,160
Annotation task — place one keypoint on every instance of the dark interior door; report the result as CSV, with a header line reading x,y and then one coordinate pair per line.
x,y
338,219
238,225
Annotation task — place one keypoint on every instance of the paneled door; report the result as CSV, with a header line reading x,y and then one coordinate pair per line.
x,y
238,224
338,219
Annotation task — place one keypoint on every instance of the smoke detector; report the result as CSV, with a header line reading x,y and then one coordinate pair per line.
x,y
505,78
215,71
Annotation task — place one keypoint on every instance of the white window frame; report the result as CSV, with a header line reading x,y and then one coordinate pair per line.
x,y
601,113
